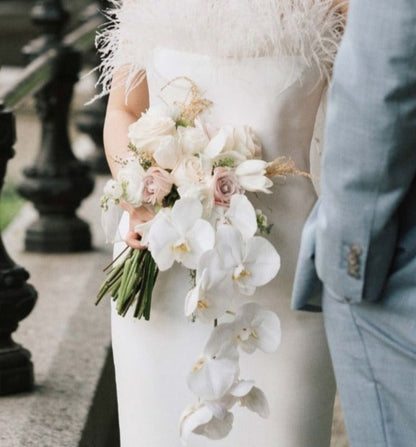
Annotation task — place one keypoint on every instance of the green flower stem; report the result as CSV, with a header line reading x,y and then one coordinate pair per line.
x,y
112,278
144,296
130,281
127,271
110,283
149,289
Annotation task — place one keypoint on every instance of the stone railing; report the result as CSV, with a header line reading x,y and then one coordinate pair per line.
x,y
57,182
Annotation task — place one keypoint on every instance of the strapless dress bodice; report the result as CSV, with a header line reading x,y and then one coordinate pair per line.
x,y
277,97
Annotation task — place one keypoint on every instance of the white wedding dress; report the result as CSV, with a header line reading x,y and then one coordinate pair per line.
x,y
278,94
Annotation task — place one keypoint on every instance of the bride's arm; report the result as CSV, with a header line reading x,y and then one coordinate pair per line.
x,y
122,110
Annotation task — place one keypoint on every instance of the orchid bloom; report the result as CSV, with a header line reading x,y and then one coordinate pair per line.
x,y
179,234
202,419
250,397
253,327
216,369
242,215
249,263
202,193
257,327
213,418
210,297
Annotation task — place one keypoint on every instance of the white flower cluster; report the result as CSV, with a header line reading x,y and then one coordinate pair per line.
x,y
203,163
215,376
196,178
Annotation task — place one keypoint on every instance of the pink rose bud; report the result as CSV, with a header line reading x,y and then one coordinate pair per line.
x,y
225,184
157,184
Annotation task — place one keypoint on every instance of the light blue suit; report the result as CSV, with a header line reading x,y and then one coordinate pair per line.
x,y
360,239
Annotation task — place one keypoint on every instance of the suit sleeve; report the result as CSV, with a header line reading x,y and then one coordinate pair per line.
x,y
369,160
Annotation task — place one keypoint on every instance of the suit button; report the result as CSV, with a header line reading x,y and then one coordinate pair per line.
x,y
354,261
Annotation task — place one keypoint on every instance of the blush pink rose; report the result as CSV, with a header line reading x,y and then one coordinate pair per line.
x,y
225,184
157,184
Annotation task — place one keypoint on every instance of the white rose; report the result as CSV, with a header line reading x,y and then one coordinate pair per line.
x,y
192,140
246,142
239,143
190,169
164,110
113,190
168,152
130,176
147,132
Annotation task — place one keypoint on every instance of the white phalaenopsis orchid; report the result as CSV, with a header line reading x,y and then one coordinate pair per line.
x,y
210,297
251,397
252,176
202,193
255,400
179,234
257,327
253,327
249,263
202,419
213,418
240,214
216,369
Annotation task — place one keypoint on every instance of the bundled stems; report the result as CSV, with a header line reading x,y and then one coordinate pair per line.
x,y
131,281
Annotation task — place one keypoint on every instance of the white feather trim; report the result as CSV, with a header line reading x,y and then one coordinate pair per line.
x,y
232,29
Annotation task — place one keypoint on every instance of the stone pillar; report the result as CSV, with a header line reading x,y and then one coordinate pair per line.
x,y
57,181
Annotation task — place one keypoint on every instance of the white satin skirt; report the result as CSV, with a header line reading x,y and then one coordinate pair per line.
x,y
152,360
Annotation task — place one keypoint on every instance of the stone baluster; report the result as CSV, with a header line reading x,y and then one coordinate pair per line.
x,y
17,298
57,181
90,120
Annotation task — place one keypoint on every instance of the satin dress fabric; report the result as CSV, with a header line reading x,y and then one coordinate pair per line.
x,y
279,99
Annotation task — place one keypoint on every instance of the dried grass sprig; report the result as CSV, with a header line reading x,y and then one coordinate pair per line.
x,y
284,166
194,103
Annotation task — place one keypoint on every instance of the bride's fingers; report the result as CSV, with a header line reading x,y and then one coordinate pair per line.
x,y
132,239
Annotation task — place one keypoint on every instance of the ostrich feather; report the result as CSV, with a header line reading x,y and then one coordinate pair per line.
x,y
232,29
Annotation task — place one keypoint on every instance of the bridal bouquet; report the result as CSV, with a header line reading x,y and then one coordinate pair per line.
x,y
195,177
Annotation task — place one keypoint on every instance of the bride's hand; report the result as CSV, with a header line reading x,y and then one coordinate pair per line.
x,y
136,216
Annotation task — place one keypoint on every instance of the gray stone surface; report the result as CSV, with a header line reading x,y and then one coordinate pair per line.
x,y
68,337
73,402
